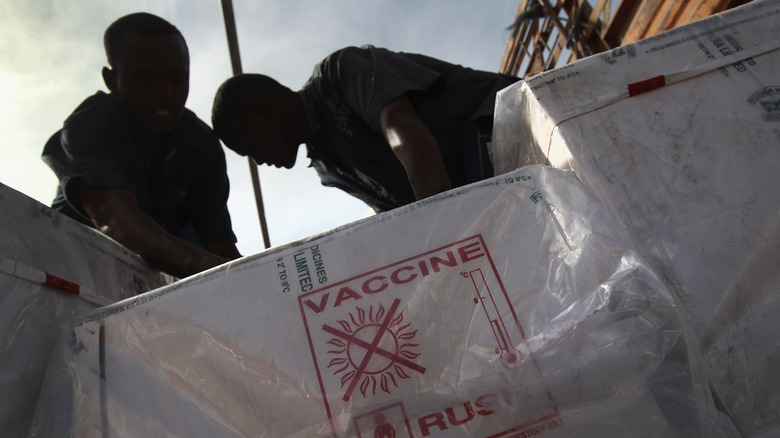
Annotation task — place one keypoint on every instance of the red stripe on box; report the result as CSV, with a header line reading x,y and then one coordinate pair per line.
x,y
60,283
646,85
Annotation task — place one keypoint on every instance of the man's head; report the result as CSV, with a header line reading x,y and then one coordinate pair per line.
x,y
255,115
148,71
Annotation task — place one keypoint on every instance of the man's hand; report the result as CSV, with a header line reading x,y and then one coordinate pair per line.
x,y
115,212
227,250
415,147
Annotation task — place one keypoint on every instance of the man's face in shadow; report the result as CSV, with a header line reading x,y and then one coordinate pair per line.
x,y
151,81
259,131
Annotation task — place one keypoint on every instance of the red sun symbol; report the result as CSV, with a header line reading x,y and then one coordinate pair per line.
x,y
374,349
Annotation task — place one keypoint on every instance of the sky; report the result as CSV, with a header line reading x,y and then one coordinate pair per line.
x,y
52,54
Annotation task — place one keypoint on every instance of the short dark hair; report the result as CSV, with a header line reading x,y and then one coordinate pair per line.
x,y
140,22
236,93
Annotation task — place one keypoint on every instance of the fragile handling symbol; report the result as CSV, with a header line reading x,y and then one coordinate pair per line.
x,y
378,345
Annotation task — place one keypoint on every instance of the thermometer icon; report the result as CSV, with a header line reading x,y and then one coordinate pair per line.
x,y
508,354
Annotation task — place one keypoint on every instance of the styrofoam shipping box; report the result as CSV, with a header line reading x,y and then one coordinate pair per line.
x,y
51,270
679,136
514,307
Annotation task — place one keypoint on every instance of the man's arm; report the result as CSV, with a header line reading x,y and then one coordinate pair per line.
x,y
115,212
226,249
415,147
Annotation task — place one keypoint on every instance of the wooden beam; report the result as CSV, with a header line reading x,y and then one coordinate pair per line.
x,y
594,28
665,17
510,57
582,28
707,8
642,19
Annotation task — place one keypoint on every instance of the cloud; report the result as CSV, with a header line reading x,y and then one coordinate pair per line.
x,y
53,52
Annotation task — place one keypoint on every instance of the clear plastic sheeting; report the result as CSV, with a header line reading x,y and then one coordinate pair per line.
x,y
514,307
51,270
677,135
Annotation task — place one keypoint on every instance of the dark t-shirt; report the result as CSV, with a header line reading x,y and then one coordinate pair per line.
x,y
348,90
97,148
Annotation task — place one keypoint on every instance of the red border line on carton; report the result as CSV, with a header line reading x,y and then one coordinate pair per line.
x,y
646,85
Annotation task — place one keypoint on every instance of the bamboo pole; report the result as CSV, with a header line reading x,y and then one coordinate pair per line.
x,y
235,61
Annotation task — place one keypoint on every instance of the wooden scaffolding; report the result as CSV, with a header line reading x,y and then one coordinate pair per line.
x,y
550,33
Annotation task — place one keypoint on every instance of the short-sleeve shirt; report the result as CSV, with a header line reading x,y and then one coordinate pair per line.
x,y
345,95
97,148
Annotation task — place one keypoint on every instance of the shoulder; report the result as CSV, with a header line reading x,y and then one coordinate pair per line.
x,y
363,57
94,109
328,74
352,53
349,68
191,123
195,134
346,53
95,120
346,60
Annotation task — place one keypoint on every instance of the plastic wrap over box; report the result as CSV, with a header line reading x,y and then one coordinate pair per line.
x,y
51,269
679,136
510,308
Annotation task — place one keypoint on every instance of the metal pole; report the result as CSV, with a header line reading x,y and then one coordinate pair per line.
x,y
235,61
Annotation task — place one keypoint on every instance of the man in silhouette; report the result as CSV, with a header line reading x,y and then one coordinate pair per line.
x,y
386,127
136,164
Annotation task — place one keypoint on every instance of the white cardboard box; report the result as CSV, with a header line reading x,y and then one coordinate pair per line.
x,y
51,270
679,136
513,307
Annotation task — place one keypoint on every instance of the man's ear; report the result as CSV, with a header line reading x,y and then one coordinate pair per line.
x,y
261,106
109,78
